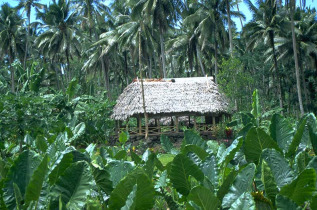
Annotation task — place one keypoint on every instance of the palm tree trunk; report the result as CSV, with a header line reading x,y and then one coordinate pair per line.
x,y
12,74
229,27
162,52
105,69
142,89
277,77
299,92
126,68
216,61
200,61
27,41
239,11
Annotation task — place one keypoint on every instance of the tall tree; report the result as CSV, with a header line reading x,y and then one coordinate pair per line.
x,y
61,36
298,86
11,37
263,27
26,6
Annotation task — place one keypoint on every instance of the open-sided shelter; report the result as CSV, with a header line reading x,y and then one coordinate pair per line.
x,y
172,98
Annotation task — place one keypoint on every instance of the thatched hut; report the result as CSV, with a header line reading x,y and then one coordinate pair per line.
x,y
172,99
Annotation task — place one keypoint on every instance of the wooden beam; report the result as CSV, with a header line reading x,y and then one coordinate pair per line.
x,y
195,123
213,120
140,124
176,124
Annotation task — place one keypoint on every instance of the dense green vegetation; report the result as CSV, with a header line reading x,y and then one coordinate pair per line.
x,y
60,76
98,44
271,164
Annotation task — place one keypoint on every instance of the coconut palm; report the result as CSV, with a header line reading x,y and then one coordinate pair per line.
x,y
61,37
26,6
264,27
210,16
11,37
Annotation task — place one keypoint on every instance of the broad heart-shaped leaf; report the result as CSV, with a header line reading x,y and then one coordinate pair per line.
x,y
73,186
313,204
166,144
20,173
282,172
224,188
40,143
281,131
102,179
268,182
301,161
201,153
313,138
245,201
210,168
283,203
229,153
190,137
302,188
181,168
34,187
255,142
123,138
118,169
204,198
241,184
150,164
296,139
78,131
143,197
256,109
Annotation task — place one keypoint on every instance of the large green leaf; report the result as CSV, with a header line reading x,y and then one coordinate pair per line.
x,y
241,184
313,138
118,169
20,173
256,141
296,139
201,153
245,201
301,161
302,188
61,164
102,179
73,186
256,109
224,188
181,168
204,198
166,144
282,172
283,203
34,187
230,152
268,182
125,194
190,137
281,131
313,204
210,168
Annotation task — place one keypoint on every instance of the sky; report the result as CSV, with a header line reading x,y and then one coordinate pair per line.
x,y
242,6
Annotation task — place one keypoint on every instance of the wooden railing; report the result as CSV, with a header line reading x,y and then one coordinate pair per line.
x,y
154,131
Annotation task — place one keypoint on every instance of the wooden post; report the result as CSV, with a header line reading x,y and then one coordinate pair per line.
x,y
213,120
159,125
176,124
140,124
195,124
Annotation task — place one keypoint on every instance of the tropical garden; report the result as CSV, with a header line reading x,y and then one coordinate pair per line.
x,y
61,73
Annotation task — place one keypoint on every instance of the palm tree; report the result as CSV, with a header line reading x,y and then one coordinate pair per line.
x,y
11,36
210,16
264,27
26,6
163,13
62,36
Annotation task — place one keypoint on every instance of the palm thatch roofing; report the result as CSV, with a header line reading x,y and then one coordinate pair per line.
x,y
168,97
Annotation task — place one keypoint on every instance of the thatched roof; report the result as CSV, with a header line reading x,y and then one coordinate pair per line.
x,y
166,97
